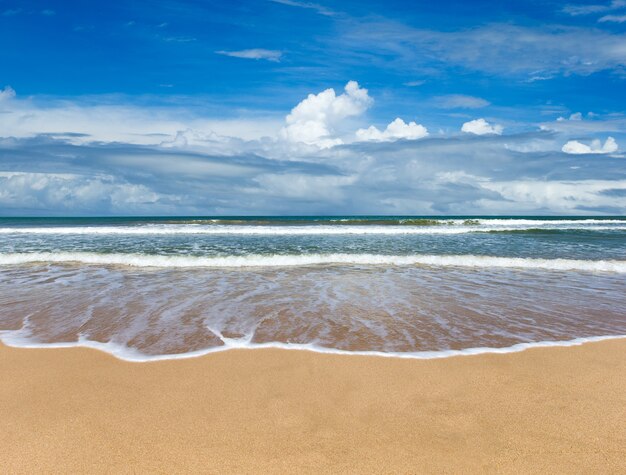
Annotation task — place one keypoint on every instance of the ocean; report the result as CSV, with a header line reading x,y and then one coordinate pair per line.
x,y
403,286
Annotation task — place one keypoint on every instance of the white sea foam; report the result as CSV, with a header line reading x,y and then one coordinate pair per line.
x,y
546,222
298,260
446,227
18,340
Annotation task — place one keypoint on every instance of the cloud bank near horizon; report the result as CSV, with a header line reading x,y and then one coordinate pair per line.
x,y
323,157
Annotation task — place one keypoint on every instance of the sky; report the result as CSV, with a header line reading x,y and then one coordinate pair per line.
x,y
290,107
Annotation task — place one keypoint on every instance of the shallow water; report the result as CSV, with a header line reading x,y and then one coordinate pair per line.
x,y
145,288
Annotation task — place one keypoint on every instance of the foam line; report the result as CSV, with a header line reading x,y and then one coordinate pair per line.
x,y
533,222
299,260
312,230
14,339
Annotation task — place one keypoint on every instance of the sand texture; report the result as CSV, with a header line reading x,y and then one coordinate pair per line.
x,y
544,410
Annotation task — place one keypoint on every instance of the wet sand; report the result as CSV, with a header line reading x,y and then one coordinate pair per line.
x,y
542,410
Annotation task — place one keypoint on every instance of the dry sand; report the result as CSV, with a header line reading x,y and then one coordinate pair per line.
x,y
541,410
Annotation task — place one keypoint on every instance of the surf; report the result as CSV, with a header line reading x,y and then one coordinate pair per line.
x,y
300,260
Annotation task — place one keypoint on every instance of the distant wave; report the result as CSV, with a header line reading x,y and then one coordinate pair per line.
x,y
395,221
310,230
290,260
540,222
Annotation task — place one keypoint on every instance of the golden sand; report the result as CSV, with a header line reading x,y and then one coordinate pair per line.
x,y
542,410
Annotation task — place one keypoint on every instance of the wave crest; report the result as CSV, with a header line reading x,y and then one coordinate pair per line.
x,y
300,260
312,230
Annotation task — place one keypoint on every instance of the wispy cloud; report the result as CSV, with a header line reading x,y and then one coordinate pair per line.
x,y
577,10
322,10
612,18
576,125
255,53
460,101
502,49
417,83
179,39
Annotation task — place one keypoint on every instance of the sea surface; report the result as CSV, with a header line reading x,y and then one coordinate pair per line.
x,y
403,286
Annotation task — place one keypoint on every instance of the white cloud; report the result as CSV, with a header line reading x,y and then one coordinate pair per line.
x,y
165,160
203,141
560,196
460,101
313,120
306,187
7,93
574,116
576,10
73,192
578,148
322,10
613,123
417,83
110,122
398,129
256,53
450,175
613,18
481,127
503,49
545,77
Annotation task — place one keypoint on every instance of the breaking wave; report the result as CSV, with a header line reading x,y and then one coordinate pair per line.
x,y
312,230
291,260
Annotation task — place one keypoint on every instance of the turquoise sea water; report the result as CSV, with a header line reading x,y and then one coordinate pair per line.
x,y
402,285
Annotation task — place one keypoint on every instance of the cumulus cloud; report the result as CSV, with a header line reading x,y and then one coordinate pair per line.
x,y
460,101
313,120
398,129
574,116
578,148
76,158
481,127
256,53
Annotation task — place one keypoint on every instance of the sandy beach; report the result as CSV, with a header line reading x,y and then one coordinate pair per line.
x,y
243,411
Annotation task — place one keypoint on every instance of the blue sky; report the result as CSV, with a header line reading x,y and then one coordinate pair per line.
x,y
283,107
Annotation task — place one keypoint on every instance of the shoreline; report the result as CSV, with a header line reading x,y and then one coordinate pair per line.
x,y
270,410
132,356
